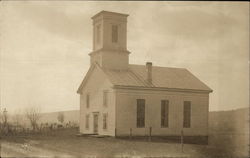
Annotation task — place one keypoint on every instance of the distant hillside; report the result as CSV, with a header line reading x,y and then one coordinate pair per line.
x,y
72,116
229,121
219,121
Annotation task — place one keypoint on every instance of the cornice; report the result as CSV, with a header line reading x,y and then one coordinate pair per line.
x,y
162,89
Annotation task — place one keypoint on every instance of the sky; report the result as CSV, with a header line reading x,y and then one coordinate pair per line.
x,y
44,47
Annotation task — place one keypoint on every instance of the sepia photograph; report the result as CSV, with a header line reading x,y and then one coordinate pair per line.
x,y
124,79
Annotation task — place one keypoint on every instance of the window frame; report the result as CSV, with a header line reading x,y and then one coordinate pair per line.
x,y
140,117
114,33
165,114
187,114
105,98
87,100
87,121
104,121
98,33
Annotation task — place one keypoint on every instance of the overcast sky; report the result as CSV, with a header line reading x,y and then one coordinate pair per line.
x,y
44,47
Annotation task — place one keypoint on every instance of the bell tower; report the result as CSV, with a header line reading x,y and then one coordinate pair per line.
x,y
110,40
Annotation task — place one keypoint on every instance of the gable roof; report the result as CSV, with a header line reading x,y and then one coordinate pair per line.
x,y
84,81
162,77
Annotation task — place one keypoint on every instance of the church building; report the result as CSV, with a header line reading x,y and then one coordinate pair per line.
x,y
122,99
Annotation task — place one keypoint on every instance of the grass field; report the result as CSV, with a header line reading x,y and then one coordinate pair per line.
x,y
65,143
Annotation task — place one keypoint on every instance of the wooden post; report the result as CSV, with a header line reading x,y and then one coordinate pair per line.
x,y
0,143
182,143
130,133
115,132
150,132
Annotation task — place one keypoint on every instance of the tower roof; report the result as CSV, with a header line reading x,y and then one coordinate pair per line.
x,y
109,13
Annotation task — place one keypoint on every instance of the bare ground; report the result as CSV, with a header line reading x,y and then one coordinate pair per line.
x,y
65,143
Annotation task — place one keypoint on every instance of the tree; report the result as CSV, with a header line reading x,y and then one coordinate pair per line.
x,y
5,117
60,117
17,118
33,114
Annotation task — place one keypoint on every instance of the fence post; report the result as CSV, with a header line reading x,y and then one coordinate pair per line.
x,y
130,133
150,133
115,132
0,141
182,143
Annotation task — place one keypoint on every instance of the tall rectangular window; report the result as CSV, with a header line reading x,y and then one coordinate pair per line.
x,y
87,100
98,33
187,114
105,98
164,113
114,33
105,121
140,113
87,121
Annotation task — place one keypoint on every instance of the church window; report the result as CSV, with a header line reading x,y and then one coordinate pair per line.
x,y
140,113
187,114
164,113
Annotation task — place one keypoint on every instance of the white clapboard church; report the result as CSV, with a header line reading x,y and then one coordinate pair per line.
x,y
122,99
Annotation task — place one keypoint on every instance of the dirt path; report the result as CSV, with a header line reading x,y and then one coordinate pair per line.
x,y
72,146
10,149
88,148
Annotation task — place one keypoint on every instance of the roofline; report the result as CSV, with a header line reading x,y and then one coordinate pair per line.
x,y
84,81
162,89
103,11
108,51
91,68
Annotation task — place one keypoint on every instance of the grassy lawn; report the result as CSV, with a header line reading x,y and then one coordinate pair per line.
x,y
65,143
